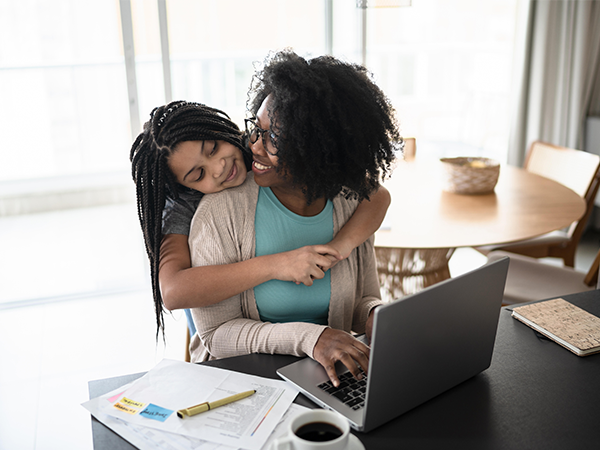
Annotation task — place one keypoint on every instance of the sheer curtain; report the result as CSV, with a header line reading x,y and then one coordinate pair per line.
x,y
558,74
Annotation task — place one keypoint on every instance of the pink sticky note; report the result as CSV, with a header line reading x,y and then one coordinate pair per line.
x,y
115,397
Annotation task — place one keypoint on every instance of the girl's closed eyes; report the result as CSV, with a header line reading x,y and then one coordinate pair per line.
x,y
207,166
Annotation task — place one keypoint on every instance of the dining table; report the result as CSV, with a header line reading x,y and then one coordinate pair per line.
x,y
425,223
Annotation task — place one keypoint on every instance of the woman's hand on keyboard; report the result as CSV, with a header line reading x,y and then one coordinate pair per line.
x,y
336,345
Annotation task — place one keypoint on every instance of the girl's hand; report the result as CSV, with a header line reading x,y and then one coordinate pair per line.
x,y
305,264
337,345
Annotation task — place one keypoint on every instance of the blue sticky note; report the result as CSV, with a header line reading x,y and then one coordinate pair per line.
x,y
156,412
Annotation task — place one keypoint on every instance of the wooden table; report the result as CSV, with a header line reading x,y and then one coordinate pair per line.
x,y
432,223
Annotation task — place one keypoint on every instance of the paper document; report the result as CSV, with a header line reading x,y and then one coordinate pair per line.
x,y
152,402
145,438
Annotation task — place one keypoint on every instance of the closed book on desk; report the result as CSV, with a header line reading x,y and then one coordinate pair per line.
x,y
564,323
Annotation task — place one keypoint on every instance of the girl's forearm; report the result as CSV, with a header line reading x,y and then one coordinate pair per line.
x,y
365,221
183,286
194,287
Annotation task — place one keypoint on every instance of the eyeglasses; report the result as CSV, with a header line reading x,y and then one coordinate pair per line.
x,y
254,131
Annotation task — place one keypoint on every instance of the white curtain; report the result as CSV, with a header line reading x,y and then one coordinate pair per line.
x,y
557,81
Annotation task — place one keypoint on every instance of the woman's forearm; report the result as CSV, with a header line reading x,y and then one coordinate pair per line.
x,y
243,336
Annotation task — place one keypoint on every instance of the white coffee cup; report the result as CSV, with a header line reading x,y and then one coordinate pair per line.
x,y
317,429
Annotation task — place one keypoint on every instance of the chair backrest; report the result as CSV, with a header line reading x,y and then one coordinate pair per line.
x,y
575,169
410,148
530,279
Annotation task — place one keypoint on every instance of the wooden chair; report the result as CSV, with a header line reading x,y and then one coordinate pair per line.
x,y
404,271
530,279
410,148
577,170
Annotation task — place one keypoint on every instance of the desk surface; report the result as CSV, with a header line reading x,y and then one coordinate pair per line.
x,y
523,205
535,395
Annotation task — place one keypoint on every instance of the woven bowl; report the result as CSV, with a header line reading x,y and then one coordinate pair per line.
x,y
470,175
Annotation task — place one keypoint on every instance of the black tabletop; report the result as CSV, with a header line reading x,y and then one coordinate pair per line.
x,y
535,395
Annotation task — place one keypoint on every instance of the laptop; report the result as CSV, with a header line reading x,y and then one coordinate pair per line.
x,y
422,345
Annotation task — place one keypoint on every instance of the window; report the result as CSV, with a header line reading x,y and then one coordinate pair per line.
x,y
214,45
65,111
63,89
445,64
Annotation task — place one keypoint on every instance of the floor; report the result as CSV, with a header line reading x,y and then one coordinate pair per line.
x,y
87,313
76,307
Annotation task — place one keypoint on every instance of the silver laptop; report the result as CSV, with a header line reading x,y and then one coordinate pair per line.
x,y
422,345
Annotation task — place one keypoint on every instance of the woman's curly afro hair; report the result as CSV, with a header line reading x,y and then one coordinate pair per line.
x,y
335,130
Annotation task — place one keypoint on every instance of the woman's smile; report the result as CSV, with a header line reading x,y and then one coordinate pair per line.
x,y
256,166
264,164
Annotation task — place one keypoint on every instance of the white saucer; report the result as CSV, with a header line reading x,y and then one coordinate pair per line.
x,y
355,444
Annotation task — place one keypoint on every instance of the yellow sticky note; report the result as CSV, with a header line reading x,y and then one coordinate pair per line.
x,y
126,409
132,403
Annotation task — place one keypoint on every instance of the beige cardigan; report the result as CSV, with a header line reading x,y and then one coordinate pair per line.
x,y
222,232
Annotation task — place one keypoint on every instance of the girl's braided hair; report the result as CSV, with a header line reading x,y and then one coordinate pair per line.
x,y
169,125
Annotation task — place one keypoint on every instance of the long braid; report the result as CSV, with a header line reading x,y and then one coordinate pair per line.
x,y
169,125
158,203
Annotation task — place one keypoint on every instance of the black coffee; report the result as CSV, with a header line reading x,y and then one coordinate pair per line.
x,y
318,432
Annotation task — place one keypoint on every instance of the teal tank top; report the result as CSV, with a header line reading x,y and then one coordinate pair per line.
x,y
279,230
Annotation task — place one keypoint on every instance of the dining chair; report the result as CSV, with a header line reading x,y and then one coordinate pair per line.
x,y
530,279
404,271
575,169
410,148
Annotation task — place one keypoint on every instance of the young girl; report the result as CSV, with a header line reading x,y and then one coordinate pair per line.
x,y
185,151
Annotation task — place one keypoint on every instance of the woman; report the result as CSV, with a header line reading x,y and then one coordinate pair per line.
x,y
187,149
322,137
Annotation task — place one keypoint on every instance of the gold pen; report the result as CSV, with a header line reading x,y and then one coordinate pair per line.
x,y
207,406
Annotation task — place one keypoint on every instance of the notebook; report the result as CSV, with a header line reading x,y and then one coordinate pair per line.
x,y
564,323
422,345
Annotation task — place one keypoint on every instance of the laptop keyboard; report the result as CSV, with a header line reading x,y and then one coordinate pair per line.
x,y
350,391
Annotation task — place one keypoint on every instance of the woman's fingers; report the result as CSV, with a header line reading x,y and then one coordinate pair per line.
x,y
359,361
330,369
336,345
354,363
